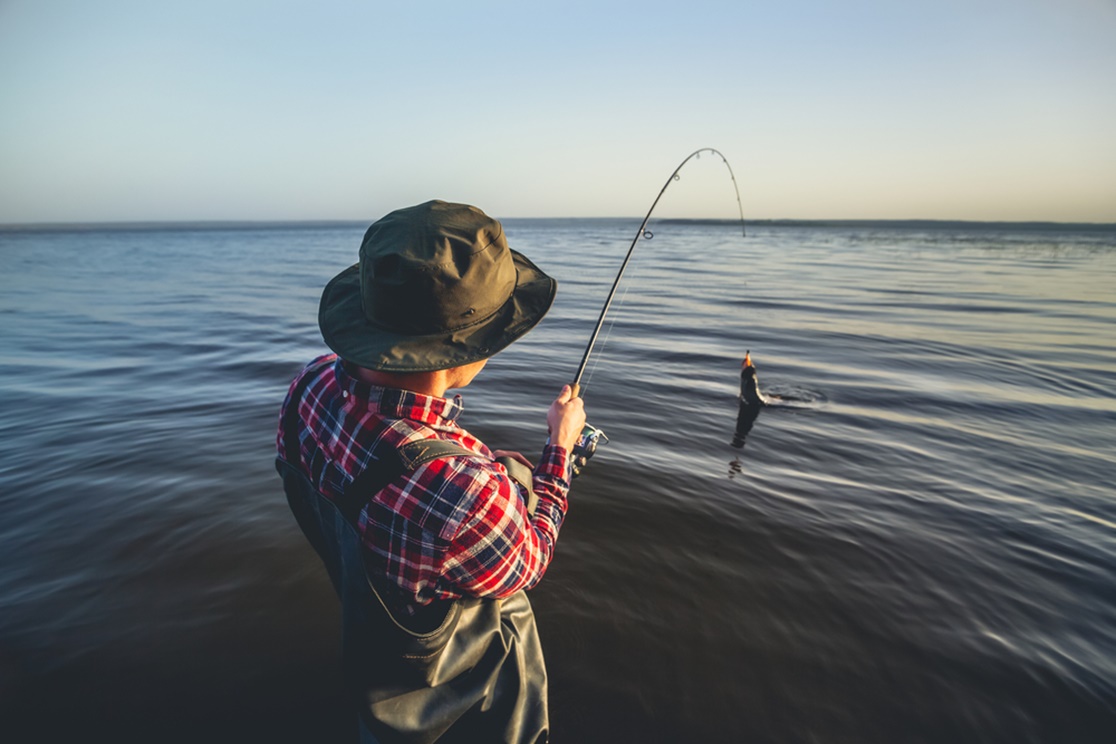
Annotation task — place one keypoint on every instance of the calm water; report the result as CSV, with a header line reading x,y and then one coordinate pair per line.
x,y
925,552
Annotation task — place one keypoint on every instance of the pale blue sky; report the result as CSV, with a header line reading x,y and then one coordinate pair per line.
x,y
139,110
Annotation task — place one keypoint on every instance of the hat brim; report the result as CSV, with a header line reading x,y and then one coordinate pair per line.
x,y
348,332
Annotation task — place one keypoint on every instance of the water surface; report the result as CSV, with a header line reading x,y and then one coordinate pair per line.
x,y
925,553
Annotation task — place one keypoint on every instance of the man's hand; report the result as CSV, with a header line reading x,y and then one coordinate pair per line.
x,y
566,419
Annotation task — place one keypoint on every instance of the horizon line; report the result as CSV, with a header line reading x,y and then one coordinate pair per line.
x,y
233,224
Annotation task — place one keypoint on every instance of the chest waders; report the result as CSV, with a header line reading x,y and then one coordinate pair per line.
x,y
464,670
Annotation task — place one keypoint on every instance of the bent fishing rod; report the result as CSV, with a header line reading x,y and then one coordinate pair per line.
x,y
643,232
591,435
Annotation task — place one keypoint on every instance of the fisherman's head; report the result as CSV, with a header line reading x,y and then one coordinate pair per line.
x,y
436,287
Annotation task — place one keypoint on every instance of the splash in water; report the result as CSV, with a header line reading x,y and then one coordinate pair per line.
x,y
753,400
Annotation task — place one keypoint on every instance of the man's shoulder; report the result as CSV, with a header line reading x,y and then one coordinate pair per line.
x,y
444,484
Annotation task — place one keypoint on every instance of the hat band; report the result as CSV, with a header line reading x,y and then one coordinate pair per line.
x,y
436,329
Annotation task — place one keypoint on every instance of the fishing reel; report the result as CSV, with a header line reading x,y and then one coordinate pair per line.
x,y
586,446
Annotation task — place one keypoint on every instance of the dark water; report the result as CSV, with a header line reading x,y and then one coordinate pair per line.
x,y
923,552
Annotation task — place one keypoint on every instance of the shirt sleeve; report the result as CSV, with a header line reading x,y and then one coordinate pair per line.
x,y
499,549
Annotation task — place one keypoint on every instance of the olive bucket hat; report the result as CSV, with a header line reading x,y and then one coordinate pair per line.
x,y
436,287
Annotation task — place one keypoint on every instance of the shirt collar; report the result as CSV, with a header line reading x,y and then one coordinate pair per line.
x,y
395,403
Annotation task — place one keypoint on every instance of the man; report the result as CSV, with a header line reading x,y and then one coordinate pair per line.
x,y
427,538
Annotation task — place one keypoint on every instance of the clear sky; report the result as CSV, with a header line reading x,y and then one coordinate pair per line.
x,y
337,109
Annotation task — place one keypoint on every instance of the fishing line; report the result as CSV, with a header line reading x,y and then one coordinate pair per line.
x,y
607,336
643,232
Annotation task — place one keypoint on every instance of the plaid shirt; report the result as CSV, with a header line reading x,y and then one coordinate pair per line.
x,y
453,527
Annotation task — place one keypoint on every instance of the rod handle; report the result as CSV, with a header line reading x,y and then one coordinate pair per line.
x,y
575,390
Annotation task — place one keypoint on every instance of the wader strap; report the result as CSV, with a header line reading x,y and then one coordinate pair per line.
x,y
414,454
522,475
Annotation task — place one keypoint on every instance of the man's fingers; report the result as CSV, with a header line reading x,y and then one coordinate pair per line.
x,y
566,418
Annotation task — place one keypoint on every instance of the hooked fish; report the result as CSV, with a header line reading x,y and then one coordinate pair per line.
x,y
749,383
751,400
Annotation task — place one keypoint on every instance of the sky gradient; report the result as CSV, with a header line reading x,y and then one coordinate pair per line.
x,y
123,110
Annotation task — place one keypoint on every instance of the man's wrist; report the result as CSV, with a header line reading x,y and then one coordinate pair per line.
x,y
555,462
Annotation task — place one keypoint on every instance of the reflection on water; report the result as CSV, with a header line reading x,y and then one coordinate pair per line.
x,y
915,544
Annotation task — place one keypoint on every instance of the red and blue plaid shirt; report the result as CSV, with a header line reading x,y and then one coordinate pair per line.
x,y
453,527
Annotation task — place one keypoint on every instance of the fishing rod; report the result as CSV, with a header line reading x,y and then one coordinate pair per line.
x,y
591,435
643,232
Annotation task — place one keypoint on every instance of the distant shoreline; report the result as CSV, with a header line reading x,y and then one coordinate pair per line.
x,y
917,224
908,224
